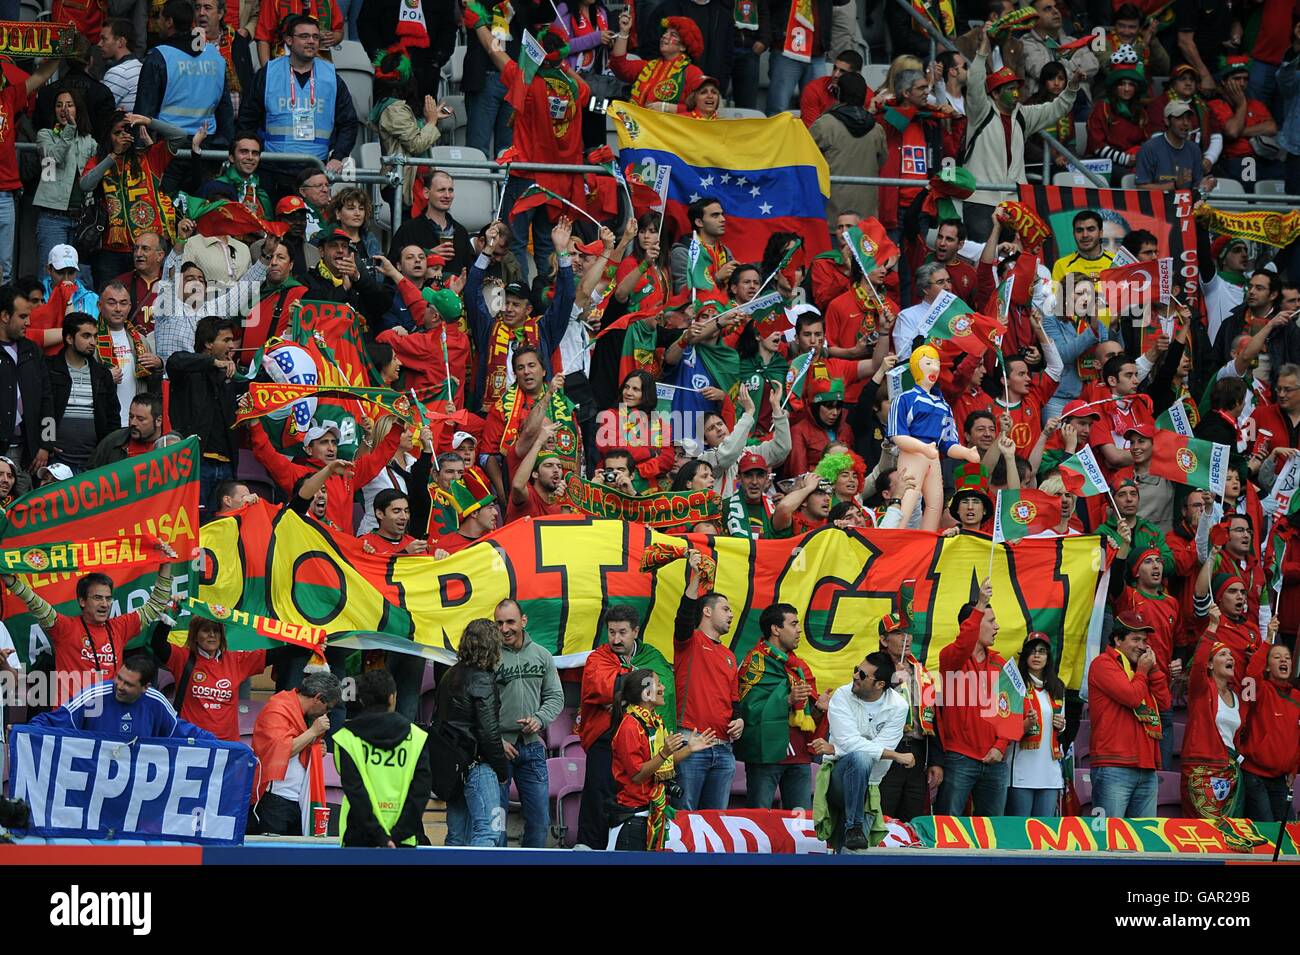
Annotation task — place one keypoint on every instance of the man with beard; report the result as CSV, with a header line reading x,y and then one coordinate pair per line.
x,y
749,513
85,396
124,348
142,431
602,679
537,488
804,509
506,421
393,512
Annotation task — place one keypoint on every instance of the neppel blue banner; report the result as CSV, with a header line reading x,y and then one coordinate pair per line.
x,y
89,786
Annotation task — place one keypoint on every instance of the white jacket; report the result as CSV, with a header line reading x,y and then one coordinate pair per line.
x,y
857,726
985,153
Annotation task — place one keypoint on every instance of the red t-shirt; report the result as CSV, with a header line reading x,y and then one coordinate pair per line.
x,y
384,547
537,506
538,137
631,750
704,673
1256,112
1274,34
13,103
1117,417
1162,612
1027,414
94,653
212,697
451,543
134,448
816,99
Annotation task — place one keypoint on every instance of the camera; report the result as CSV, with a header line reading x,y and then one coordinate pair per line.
x,y
609,475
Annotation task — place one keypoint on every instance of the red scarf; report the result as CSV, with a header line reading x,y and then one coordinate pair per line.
x,y
661,80
499,340
1035,724
800,31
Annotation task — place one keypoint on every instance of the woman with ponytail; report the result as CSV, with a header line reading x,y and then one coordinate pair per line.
x,y
645,754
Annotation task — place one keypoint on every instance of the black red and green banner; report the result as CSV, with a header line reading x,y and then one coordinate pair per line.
x,y
659,509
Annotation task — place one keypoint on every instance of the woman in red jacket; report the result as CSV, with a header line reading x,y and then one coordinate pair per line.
x,y
1117,126
1270,735
1211,786
644,756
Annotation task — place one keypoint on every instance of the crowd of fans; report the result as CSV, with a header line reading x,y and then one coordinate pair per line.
x,y
161,273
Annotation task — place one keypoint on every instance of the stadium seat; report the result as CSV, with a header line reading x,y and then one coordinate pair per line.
x,y
453,71
353,67
874,74
452,128
1081,739
371,156
611,134
1179,730
738,781
248,711
1224,188
1270,187
1167,792
1083,786
31,10
476,199
559,730
1070,179
572,746
566,775
1129,181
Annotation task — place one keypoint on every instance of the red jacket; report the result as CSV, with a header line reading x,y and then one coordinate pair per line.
x,y
1202,742
808,443
421,353
339,490
963,725
1161,611
1288,606
1270,728
599,676
1117,737
1183,583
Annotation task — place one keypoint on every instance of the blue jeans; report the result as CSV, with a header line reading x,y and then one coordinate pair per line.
x,y
408,674
850,776
475,817
57,228
1123,792
487,113
965,778
1262,84
744,78
7,220
211,474
528,769
537,220
1040,803
787,77
706,777
762,780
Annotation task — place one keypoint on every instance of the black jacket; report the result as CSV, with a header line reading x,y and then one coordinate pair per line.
x,y
424,232
203,402
375,31
153,85
855,119
528,16
716,21
468,703
103,392
383,731
367,296
32,377
1282,347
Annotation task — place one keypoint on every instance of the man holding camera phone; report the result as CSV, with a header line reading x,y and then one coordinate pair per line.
x,y
340,278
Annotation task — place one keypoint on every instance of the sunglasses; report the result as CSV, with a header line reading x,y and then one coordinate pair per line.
x,y
859,674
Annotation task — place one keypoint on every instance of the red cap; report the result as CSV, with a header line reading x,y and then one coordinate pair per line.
x,y
1000,78
431,259
289,205
1134,621
1078,408
752,461
595,247
1145,429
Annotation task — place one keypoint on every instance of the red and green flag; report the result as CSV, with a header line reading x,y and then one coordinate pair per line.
x,y
1190,461
1082,474
698,260
1024,511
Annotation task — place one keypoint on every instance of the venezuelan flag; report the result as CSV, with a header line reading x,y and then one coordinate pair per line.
x,y
768,174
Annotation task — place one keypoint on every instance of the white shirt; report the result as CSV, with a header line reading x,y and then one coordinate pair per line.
x,y
1228,720
386,479
857,726
575,352
295,779
1221,297
1035,768
122,78
124,352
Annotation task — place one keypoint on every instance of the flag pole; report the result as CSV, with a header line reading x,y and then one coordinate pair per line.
x,y
993,542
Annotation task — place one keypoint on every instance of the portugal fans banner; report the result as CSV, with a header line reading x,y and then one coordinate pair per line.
x,y
89,786
1103,834
565,570
751,831
153,495
23,39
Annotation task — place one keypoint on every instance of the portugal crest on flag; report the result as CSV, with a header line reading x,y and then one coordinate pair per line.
x,y
36,559
1185,458
1024,512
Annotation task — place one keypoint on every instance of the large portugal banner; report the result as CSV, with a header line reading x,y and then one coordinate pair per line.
x,y
152,495
565,570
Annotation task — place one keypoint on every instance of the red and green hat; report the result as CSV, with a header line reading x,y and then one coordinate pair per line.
x,y
1232,65
953,182
970,485
999,78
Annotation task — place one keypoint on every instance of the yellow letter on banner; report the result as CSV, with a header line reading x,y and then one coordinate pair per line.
x,y
582,554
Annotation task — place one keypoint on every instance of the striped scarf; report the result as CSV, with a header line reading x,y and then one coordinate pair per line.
x,y
656,832
1146,714
1034,723
499,341
228,54
661,80
104,345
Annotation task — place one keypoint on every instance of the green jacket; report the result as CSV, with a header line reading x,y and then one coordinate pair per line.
x,y
1145,536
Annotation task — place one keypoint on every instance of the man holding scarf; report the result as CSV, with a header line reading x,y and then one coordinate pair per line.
x,y
497,338
1146,595
781,709
905,790
1126,692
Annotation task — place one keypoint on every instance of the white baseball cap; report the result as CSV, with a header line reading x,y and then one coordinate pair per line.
x,y
60,472
460,437
318,431
64,257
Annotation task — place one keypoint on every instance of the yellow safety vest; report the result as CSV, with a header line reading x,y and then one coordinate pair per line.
x,y
386,774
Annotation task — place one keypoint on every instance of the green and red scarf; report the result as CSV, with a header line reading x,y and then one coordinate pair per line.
x,y
656,830
498,354
104,345
1036,726
661,80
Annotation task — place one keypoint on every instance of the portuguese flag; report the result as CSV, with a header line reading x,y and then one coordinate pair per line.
x,y
1010,703
946,318
1082,475
698,261
1024,511
1190,461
